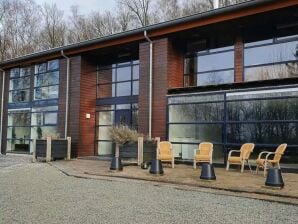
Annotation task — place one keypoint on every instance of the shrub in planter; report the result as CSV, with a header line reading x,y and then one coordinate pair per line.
x,y
127,139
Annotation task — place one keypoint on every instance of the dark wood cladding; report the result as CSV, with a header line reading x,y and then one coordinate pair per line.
x,y
144,88
175,66
87,104
5,113
239,59
74,99
167,73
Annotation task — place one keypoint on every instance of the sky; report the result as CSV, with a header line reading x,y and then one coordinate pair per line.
x,y
85,6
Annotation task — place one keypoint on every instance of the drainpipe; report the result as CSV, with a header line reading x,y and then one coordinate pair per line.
x,y
67,93
2,107
150,81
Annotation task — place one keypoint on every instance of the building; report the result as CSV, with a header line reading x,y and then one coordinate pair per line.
x,y
228,76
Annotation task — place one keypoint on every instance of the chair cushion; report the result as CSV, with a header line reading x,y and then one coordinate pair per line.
x,y
262,161
234,159
165,157
202,157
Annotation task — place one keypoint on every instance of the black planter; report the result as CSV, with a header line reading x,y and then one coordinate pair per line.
x,y
58,148
116,164
129,151
149,151
207,172
156,167
274,178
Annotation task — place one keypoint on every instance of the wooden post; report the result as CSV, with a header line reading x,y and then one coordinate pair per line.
x,y
157,139
140,150
68,147
34,150
49,149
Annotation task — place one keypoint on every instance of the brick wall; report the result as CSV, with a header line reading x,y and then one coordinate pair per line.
x,y
239,59
5,111
74,99
105,76
144,88
175,66
167,73
87,105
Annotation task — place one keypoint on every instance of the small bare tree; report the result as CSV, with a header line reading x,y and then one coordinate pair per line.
x,y
80,27
54,30
139,10
166,10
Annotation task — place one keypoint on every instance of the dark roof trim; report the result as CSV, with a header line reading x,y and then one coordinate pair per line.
x,y
211,13
233,86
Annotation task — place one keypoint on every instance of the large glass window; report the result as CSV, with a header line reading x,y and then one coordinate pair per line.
x,y
267,117
271,59
44,122
18,130
108,115
211,64
118,80
46,80
19,85
25,124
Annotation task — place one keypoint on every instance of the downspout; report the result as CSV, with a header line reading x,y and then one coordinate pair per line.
x,y
150,81
67,93
2,107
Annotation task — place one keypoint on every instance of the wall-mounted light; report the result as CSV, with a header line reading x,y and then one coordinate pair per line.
x,y
88,116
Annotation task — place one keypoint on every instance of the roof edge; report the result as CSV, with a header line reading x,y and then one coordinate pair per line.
x,y
138,31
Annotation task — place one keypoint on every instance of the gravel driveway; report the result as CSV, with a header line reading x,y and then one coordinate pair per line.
x,y
39,193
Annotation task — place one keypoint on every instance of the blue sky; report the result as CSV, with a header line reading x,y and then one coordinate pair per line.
x,y
85,6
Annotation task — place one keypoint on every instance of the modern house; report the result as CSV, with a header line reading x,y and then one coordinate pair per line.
x,y
229,76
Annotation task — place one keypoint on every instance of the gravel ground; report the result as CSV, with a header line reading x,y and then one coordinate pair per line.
x,y
39,193
13,160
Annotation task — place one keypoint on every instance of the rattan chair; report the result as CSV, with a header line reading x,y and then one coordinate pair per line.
x,y
245,151
203,153
265,162
165,152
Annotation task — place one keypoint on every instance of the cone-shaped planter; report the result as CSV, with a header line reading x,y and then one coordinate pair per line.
x,y
207,172
156,167
274,178
116,164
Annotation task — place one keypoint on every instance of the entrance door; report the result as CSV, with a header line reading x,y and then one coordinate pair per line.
x,y
123,117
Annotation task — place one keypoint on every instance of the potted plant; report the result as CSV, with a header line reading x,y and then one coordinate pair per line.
x,y
126,140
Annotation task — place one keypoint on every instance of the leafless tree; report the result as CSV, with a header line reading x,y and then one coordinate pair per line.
x,y
104,24
139,10
166,10
124,18
79,27
19,22
54,30
190,7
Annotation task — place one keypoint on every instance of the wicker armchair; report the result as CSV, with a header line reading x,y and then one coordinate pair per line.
x,y
245,151
265,162
165,152
203,153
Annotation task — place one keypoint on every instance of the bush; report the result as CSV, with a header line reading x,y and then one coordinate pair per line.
x,y
122,134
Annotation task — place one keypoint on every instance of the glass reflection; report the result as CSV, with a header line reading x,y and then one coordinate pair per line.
x,y
196,112
271,53
215,61
287,70
214,78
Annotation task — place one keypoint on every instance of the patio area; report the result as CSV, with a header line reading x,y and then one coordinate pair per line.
x,y
230,182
